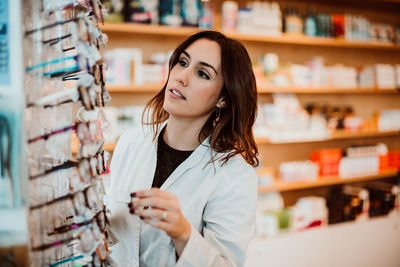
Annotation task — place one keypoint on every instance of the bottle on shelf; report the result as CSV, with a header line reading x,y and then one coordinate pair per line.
x,y
169,12
207,18
324,25
310,23
114,9
338,25
397,34
141,12
229,16
293,21
190,11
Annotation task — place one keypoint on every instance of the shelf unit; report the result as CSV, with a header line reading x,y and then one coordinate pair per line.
x,y
152,38
282,186
155,87
337,135
134,28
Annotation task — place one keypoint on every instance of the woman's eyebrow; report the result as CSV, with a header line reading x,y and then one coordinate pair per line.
x,y
202,62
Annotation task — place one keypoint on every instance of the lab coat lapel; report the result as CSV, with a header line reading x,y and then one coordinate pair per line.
x,y
149,170
194,159
149,157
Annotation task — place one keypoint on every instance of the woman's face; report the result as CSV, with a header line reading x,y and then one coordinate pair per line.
x,y
195,82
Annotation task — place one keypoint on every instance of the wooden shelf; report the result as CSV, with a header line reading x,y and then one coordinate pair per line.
x,y
155,87
312,41
324,181
145,88
328,90
133,28
137,28
337,135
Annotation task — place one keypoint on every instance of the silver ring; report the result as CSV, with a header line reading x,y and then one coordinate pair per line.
x,y
164,215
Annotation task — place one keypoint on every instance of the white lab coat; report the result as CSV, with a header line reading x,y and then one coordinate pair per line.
x,y
218,201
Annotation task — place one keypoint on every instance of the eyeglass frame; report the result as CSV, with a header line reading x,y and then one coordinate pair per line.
x,y
61,242
70,164
76,127
73,226
69,196
86,93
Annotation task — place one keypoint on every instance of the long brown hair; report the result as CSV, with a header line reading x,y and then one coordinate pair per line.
x,y
233,133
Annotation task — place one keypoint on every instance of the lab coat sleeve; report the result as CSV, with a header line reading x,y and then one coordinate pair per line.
x,y
229,222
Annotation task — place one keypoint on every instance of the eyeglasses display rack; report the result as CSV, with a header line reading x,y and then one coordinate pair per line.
x,y
64,75
13,182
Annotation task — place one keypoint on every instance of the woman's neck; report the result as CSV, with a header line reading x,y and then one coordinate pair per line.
x,y
182,134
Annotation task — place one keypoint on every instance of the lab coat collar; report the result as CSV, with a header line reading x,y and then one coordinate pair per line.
x,y
194,159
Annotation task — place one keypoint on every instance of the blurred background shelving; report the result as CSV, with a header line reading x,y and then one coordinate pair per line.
x,y
289,47
354,100
154,87
283,186
168,31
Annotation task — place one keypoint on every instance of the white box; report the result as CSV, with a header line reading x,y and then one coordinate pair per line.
x,y
119,66
385,76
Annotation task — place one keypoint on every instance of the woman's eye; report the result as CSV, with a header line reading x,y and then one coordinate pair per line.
x,y
203,75
182,63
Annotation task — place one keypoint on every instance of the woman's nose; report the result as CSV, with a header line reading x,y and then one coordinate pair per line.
x,y
183,77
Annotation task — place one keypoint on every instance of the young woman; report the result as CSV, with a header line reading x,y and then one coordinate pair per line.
x,y
183,188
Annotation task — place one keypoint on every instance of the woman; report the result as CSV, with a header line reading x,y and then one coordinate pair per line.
x,y
183,192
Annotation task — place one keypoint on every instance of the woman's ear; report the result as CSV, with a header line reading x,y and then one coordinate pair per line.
x,y
221,103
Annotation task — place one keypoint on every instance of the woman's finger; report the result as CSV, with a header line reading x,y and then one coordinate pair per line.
x,y
153,213
162,225
152,192
154,202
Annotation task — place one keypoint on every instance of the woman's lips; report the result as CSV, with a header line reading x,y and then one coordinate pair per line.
x,y
176,94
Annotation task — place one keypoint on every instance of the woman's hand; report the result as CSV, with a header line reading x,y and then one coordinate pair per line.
x,y
161,210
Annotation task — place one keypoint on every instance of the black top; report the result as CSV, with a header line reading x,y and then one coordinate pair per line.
x,y
168,159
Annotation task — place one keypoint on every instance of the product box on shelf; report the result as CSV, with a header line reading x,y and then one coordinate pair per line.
x,y
124,66
366,77
358,167
273,218
381,32
394,159
353,203
309,212
339,76
328,161
397,71
362,160
343,206
383,198
362,196
385,76
269,206
287,121
262,18
388,120
298,171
